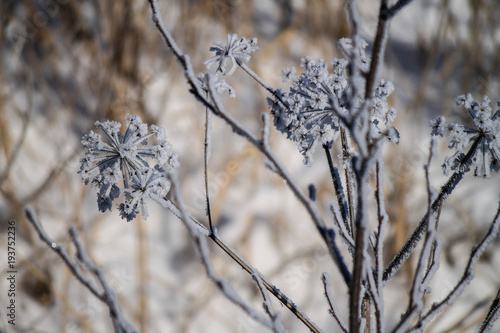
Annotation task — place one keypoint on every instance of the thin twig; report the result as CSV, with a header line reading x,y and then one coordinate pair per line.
x,y
206,157
389,13
379,246
108,295
492,315
285,300
329,297
337,186
416,236
378,51
415,302
337,218
466,278
268,305
263,83
202,248
348,178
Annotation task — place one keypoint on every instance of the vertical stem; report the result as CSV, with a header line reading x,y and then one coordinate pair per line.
x,y
206,156
378,50
339,191
348,179
142,260
379,246
361,235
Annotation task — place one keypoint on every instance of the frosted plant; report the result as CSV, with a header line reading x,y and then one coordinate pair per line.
x,y
125,158
346,46
307,112
150,183
485,138
221,85
237,50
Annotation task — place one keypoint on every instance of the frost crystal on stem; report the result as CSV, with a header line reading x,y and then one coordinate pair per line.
x,y
125,157
308,111
237,49
486,137
220,85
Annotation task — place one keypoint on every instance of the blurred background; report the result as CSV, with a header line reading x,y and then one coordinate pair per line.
x,y
65,64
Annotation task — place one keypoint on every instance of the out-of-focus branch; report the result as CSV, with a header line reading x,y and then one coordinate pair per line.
x,y
390,12
466,278
329,297
108,295
415,303
492,315
268,306
200,243
416,236
287,302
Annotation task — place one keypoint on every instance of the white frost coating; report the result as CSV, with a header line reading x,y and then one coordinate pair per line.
x,y
329,297
221,85
268,305
124,157
464,281
344,234
237,49
486,137
308,112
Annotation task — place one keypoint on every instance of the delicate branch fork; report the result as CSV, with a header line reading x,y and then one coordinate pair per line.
x,y
107,295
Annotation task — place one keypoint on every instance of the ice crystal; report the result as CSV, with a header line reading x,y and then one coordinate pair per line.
x,y
237,49
485,137
123,159
307,111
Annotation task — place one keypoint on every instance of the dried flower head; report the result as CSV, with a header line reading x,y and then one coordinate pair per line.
x,y
123,157
307,111
237,49
485,138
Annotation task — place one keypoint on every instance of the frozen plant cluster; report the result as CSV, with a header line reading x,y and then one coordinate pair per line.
x,y
484,154
307,112
121,165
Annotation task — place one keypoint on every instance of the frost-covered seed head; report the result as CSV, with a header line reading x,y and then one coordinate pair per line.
x,y
122,158
304,111
486,137
237,49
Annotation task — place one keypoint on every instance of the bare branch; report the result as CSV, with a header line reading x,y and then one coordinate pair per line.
x,y
329,297
416,236
492,315
268,306
108,295
466,278
201,245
